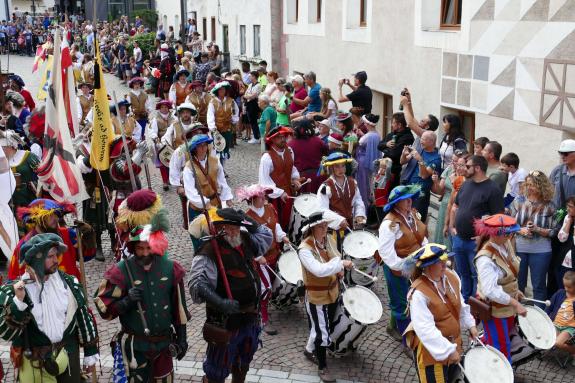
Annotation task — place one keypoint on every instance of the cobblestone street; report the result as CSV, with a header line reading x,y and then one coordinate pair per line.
x,y
379,358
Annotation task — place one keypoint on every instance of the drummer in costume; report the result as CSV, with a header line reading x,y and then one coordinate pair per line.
x,y
339,193
400,234
322,266
277,170
200,99
43,216
265,214
141,103
158,286
48,320
438,314
158,127
223,114
122,119
232,327
186,117
497,270
206,182
84,102
180,88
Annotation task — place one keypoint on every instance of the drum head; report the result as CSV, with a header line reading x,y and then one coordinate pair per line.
x,y
362,304
360,244
487,365
289,267
306,204
537,328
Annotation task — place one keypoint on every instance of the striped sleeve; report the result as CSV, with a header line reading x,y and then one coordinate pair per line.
x,y
12,320
85,321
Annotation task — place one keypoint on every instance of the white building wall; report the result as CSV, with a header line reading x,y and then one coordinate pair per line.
x,y
169,13
26,6
235,13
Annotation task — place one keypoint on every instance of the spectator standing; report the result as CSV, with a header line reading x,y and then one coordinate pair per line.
x,y
492,153
536,216
299,94
282,107
251,102
478,196
478,145
267,119
393,144
453,139
515,176
365,156
308,151
565,235
361,95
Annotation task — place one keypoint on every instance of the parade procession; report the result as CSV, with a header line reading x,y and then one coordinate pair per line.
x,y
173,212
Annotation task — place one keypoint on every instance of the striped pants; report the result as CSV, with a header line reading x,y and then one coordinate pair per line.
x,y
320,319
397,288
498,334
437,373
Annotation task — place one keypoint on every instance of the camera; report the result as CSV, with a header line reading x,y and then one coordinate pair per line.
x,y
403,93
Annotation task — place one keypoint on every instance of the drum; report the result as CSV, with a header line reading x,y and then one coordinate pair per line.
x,y
219,141
487,364
289,269
360,244
303,206
537,329
367,266
358,307
165,154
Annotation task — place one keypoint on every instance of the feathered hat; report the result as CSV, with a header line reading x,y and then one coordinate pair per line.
x,y
278,131
40,209
427,255
139,209
10,138
400,193
154,233
496,225
246,193
333,159
35,123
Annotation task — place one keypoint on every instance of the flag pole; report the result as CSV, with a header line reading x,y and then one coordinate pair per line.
x,y
125,147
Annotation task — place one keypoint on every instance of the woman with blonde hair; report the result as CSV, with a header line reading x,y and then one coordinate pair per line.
x,y
536,215
328,107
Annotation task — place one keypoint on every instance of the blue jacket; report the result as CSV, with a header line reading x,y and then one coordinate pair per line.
x,y
556,300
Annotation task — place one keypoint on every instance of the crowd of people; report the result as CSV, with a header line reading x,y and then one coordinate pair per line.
x,y
497,224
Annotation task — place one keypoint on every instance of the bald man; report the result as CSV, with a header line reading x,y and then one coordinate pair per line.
x,y
422,164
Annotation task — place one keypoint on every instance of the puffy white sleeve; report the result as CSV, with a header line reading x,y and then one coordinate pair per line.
x,y
192,193
225,190
211,118
153,129
357,204
280,234
387,238
137,134
150,106
266,167
78,108
177,163
235,113
487,274
323,196
172,94
424,325
168,137
334,266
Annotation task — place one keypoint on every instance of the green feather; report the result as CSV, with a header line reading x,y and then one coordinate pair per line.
x,y
161,221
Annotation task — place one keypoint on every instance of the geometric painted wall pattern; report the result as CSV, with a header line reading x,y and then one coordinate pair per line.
x,y
501,72
558,95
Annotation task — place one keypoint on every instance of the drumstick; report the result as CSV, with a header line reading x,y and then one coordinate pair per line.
x,y
462,370
274,273
546,303
364,274
481,343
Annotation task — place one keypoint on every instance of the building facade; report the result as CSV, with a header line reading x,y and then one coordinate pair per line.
x,y
507,67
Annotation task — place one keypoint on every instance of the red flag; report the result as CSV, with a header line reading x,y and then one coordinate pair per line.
x,y
40,57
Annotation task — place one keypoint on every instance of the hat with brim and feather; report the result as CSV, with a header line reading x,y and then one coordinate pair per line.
x,y
153,233
400,193
247,193
278,131
316,218
229,216
497,225
219,85
334,159
197,140
427,255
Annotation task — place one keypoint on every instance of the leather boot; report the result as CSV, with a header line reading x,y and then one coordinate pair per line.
x,y
99,253
239,374
206,380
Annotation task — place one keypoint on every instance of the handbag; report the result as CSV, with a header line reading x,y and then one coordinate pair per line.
x,y
216,335
479,309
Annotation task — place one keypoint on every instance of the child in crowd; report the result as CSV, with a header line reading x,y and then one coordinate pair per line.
x,y
515,176
566,233
381,185
562,313
479,144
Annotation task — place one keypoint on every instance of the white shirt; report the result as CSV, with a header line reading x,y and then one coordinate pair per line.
x,y
153,127
267,166
424,325
387,238
79,106
357,205
225,193
172,92
488,273
170,136
319,268
177,164
211,116
138,54
514,181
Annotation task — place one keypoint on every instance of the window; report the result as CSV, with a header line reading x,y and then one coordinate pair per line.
x,y
256,41
314,11
205,28
242,39
213,29
141,4
226,44
292,11
318,11
116,8
362,13
451,14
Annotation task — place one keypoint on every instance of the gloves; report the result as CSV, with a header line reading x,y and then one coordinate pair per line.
x,y
226,306
140,152
182,341
78,140
83,227
253,228
134,296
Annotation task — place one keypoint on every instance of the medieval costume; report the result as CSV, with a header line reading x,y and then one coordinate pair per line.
x,y
277,171
158,126
232,325
223,114
200,99
174,135
208,174
84,102
41,216
167,70
158,285
51,322
8,225
265,214
438,315
497,270
401,233
365,156
180,88
122,121
87,70
141,103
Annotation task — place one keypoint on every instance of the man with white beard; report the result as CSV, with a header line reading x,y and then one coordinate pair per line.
x,y
232,327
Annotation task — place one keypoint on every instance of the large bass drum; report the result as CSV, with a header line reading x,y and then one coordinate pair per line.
x,y
284,291
303,206
360,246
487,364
165,154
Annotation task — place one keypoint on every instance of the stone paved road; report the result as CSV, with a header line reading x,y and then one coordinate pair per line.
x,y
378,359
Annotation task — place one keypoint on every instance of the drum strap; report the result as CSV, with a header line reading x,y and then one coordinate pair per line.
x,y
321,288
505,259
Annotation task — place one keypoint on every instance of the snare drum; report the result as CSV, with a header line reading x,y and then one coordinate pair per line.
x,y
303,206
360,244
487,365
537,329
357,308
290,270
368,266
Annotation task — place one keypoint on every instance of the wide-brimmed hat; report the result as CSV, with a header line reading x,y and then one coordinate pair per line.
x,y
278,131
221,84
315,219
11,138
187,106
430,254
246,193
229,216
135,80
496,225
197,140
167,103
84,83
400,193
195,128
335,138
37,210
334,159
124,102
342,116
181,72
17,79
